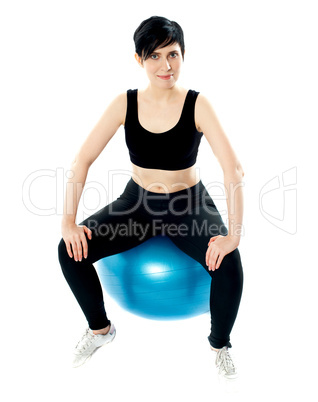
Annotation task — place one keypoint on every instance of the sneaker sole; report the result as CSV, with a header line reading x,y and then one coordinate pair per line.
x,y
230,377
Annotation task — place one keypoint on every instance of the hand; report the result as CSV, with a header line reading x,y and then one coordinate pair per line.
x,y
74,236
218,247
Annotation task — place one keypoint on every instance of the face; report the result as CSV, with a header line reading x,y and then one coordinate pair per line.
x,y
163,66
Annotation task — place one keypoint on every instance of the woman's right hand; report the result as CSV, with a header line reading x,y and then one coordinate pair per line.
x,y
75,240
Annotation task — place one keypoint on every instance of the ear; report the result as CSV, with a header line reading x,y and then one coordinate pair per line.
x,y
139,60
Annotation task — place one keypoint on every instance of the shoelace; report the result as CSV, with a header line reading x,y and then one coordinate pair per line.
x,y
85,341
224,360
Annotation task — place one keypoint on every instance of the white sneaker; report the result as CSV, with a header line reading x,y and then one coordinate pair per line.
x,y
89,343
225,363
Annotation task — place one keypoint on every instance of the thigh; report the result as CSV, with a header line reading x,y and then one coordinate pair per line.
x,y
194,230
203,223
115,228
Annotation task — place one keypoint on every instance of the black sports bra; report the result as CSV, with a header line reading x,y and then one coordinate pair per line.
x,y
174,149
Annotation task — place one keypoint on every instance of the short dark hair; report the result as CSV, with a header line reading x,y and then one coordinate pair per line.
x,y
157,32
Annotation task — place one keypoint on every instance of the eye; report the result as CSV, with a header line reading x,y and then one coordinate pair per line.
x,y
154,56
174,55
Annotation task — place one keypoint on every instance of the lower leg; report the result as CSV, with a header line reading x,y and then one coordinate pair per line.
x,y
225,296
85,285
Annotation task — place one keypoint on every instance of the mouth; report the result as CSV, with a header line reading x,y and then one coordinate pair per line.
x,y
165,77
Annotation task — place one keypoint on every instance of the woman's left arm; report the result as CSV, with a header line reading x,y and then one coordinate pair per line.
x,y
208,123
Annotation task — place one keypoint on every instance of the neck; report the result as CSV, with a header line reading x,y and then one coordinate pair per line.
x,y
162,94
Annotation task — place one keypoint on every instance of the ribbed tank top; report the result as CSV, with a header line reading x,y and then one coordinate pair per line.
x,y
174,149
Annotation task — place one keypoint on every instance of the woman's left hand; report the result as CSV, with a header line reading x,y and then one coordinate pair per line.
x,y
218,247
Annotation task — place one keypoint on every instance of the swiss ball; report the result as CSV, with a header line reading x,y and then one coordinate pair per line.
x,y
156,280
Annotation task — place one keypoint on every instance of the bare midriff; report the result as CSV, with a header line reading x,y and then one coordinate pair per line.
x,y
165,181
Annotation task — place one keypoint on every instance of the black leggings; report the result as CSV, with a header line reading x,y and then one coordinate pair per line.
x,y
189,217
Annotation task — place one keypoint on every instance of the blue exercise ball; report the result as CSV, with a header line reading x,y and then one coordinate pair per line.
x,y
156,280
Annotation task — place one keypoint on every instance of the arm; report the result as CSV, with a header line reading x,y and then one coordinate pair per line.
x,y
96,141
208,123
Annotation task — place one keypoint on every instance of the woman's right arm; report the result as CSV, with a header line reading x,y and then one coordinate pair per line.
x,y
106,127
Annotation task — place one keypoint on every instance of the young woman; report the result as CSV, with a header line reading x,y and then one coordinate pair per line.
x,y
164,124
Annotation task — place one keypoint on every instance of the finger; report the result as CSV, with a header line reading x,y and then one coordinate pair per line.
x,y
212,239
88,231
220,259
69,250
84,247
213,259
75,250
79,250
209,254
209,259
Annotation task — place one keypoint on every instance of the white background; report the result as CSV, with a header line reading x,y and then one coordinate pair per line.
x,y
62,63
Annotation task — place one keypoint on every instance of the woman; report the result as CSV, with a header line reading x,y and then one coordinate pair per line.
x,y
163,124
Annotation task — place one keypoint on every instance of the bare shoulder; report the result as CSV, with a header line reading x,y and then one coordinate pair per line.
x,y
118,106
203,110
106,127
202,99
212,129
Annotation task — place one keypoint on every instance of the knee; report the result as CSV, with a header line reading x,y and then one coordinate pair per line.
x,y
233,257
233,265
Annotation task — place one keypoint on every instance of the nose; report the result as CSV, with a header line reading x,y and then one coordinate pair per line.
x,y
166,65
